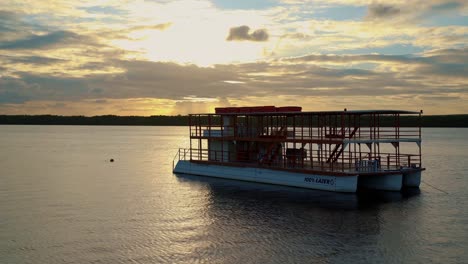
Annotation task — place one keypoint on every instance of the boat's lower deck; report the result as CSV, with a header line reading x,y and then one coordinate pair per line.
x,y
299,177
323,168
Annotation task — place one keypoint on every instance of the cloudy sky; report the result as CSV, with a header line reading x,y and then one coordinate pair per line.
x,y
136,57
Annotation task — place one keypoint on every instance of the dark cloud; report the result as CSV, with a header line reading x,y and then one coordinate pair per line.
x,y
14,26
448,62
455,56
141,79
442,69
242,33
11,97
32,87
15,91
414,11
447,6
9,21
357,58
440,97
301,79
166,80
298,77
18,27
377,10
38,60
46,41
7,15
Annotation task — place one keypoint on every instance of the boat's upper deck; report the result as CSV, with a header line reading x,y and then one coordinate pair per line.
x,y
337,140
292,125
243,111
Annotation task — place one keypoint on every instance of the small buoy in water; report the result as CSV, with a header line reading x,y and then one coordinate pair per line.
x,y
111,160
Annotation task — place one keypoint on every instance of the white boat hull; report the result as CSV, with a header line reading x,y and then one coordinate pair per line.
x,y
385,182
412,179
303,180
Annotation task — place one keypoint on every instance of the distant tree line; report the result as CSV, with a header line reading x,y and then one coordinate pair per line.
x,y
105,120
112,120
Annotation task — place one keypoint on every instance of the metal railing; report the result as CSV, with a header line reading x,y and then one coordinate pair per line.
x,y
314,133
181,154
305,160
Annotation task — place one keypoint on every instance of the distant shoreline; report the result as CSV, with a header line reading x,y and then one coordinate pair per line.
x,y
111,120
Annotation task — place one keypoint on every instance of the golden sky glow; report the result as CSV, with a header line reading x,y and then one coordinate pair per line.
x,y
136,57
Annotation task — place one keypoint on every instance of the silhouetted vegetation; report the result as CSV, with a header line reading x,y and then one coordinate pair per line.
x,y
112,120
106,120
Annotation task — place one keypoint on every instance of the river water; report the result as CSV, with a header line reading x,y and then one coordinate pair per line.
x,y
63,201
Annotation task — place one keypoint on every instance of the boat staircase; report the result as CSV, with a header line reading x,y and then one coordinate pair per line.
x,y
339,148
272,151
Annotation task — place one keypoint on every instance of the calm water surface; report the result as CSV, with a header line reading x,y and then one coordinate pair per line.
x,y
62,201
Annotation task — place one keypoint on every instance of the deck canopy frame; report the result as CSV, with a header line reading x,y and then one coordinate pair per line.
x,y
367,141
